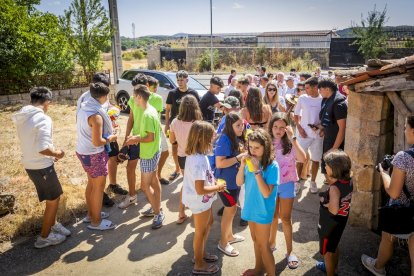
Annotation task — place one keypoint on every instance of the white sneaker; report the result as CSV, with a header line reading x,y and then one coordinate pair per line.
x,y
128,201
369,264
59,229
297,187
52,239
313,187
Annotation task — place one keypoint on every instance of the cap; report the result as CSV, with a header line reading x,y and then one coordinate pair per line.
x,y
217,81
231,102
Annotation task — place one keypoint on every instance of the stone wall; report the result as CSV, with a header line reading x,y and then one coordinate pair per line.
x,y
153,57
369,136
67,96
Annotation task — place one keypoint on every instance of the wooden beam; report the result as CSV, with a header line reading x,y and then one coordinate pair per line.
x,y
399,105
400,86
360,87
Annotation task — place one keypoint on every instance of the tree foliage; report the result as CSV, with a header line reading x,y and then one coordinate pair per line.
x,y
370,36
87,25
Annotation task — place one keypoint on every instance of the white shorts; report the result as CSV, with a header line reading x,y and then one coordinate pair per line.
x,y
314,145
164,144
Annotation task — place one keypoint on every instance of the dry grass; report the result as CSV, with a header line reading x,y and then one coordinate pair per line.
x,y
13,179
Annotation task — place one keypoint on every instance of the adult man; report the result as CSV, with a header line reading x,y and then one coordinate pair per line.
x,y
334,111
281,84
306,117
113,154
231,76
209,102
171,111
304,76
290,86
232,86
263,83
156,102
149,148
262,71
34,129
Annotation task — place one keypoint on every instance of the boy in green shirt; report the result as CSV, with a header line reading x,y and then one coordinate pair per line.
x,y
149,143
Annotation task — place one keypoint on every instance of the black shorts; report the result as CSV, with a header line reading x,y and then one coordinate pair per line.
x,y
46,182
229,198
330,232
181,161
114,149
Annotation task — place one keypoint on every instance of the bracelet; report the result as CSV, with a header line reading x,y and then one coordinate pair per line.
x,y
257,172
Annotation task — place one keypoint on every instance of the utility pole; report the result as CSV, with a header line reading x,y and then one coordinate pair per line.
x,y
133,34
211,36
116,40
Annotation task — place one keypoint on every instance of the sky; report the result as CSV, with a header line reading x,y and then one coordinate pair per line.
x,y
168,17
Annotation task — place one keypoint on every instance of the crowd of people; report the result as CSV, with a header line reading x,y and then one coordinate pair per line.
x,y
274,131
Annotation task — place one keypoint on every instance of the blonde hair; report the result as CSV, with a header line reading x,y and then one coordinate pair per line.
x,y
200,137
275,97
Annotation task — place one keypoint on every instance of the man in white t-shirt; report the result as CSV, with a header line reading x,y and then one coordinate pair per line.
x,y
306,115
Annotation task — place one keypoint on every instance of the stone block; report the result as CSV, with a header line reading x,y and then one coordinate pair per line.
x,y
375,128
366,178
361,209
15,97
369,107
4,99
76,92
64,93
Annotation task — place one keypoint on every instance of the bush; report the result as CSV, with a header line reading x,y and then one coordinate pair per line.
x,y
204,61
136,54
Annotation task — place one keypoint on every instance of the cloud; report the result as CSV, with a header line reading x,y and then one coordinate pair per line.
x,y
237,6
54,3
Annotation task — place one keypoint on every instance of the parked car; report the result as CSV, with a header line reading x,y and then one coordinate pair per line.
x,y
167,82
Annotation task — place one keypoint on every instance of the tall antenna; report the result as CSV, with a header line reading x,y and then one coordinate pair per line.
x,y
133,34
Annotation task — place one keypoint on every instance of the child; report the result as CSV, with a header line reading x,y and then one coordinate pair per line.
x,y
228,151
287,151
188,112
334,208
199,192
149,139
261,178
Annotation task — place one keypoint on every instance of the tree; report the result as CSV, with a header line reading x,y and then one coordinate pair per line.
x,y
370,36
87,25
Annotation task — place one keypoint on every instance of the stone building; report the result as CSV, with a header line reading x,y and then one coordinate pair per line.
x,y
381,96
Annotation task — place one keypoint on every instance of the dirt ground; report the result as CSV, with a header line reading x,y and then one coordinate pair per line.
x,y
134,248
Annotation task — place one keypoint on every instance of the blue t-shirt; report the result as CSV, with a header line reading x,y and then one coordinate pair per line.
x,y
221,125
257,208
223,148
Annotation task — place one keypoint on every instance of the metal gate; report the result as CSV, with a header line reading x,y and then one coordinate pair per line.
x,y
343,54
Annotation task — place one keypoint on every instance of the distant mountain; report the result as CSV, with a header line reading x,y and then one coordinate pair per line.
x,y
180,35
393,31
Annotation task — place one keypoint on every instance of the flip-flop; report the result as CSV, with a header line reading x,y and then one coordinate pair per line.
x,y
237,238
105,225
87,219
181,220
228,250
210,258
173,176
212,269
291,259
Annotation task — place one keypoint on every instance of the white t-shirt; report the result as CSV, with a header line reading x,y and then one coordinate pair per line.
x,y
308,108
197,167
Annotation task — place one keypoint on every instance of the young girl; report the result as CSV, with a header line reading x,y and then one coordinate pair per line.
x,y
272,98
334,208
261,178
287,152
189,112
228,153
199,192
255,112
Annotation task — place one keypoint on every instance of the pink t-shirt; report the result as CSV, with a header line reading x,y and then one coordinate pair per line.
x,y
181,130
287,163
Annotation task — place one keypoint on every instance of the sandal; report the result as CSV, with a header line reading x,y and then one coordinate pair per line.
x,y
87,219
210,258
174,176
237,238
104,225
291,259
228,250
212,269
180,220
248,272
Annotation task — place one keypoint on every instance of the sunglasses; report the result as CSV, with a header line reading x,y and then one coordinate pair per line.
x,y
271,89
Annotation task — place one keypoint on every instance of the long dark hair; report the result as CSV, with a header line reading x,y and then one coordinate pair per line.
x,y
231,118
263,138
254,104
286,144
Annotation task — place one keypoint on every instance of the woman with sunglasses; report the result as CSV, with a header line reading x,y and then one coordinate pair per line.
x,y
272,98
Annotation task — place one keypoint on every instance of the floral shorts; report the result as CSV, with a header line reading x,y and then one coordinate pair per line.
x,y
95,164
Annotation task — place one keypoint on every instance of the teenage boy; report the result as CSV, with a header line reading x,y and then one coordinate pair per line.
x,y
149,144
156,101
334,110
231,76
209,102
171,111
306,118
34,129
113,154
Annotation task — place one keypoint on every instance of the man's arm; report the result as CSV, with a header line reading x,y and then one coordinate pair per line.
x,y
130,124
341,134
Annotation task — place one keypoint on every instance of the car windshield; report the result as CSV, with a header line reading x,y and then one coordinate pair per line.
x,y
192,83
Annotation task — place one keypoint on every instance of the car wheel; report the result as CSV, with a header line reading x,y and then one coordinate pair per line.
x,y
122,101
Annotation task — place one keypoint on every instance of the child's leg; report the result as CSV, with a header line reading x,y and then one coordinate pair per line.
x,y
275,224
131,177
227,225
161,163
181,207
259,266
285,207
262,240
98,186
411,250
88,192
156,190
201,223
210,222
146,181
49,217
329,258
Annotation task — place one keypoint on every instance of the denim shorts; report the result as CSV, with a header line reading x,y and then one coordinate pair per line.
x,y
286,190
